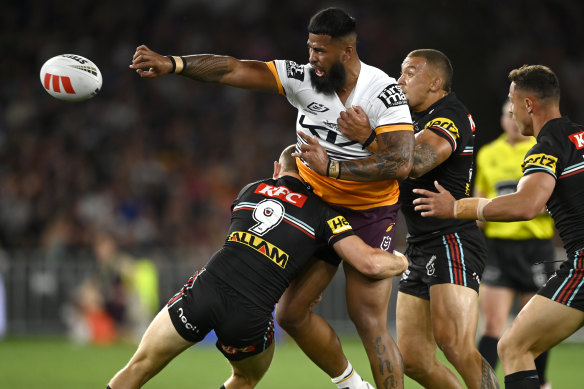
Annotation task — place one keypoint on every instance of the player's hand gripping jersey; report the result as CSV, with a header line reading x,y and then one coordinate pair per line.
x,y
560,152
276,226
449,119
384,103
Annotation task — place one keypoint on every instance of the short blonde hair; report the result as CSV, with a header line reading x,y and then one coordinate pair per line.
x,y
287,161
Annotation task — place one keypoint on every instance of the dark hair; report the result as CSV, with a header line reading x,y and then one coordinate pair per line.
x,y
440,62
538,79
332,21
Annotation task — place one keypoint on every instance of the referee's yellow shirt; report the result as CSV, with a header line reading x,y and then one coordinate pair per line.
x,y
498,172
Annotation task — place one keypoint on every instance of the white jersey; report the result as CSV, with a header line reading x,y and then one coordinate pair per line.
x,y
382,100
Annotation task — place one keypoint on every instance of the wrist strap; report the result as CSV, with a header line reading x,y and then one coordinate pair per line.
x,y
369,140
470,208
178,63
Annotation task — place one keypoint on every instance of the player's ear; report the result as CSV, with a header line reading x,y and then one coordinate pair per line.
x,y
436,84
277,169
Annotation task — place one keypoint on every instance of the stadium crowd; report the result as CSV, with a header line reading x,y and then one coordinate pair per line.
x,y
158,163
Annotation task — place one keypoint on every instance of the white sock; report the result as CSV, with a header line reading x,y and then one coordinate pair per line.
x,y
350,379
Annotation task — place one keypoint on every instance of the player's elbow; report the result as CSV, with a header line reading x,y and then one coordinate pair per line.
x,y
404,170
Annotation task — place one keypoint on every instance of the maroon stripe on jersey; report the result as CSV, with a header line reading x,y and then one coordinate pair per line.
x,y
455,256
184,289
569,288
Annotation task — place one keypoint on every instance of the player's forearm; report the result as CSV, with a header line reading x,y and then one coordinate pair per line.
x,y
425,159
393,161
206,67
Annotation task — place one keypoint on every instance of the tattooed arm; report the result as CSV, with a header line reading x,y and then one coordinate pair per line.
x,y
430,151
392,161
207,68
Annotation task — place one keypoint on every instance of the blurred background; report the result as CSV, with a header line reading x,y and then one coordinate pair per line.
x,y
105,201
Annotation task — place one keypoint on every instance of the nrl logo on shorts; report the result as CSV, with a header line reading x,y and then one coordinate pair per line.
x,y
430,269
293,70
316,107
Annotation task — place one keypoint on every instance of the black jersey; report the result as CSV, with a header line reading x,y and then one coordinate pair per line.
x,y
559,151
276,226
450,119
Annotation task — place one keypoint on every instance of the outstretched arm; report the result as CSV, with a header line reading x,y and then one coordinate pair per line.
x,y
226,70
533,191
372,262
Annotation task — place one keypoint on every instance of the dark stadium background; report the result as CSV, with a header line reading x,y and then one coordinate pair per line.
x,y
159,161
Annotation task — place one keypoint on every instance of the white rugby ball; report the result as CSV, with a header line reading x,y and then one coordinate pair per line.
x,y
71,77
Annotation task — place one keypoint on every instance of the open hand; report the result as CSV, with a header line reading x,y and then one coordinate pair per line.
x,y
436,204
313,153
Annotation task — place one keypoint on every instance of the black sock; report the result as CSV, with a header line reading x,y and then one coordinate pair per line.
x,y
108,387
488,349
222,387
540,365
526,379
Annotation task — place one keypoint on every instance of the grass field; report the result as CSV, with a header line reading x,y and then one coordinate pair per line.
x,y
55,363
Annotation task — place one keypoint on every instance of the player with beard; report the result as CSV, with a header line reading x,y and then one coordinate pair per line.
x,y
361,185
437,303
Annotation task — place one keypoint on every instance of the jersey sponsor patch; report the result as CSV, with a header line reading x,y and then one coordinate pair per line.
x,y
578,140
444,124
282,193
392,96
270,251
540,161
339,224
293,70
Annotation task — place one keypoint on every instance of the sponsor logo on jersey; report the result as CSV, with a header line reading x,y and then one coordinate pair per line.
x,y
293,70
316,107
578,140
392,96
338,224
184,320
270,251
444,124
282,193
540,160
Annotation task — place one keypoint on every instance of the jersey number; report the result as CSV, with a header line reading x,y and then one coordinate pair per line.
x,y
268,213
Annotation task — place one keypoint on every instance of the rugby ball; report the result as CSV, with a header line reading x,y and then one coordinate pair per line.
x,y
71,77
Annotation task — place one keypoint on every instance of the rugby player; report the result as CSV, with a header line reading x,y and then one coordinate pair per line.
x,y
276,226
362,186
553,176
437,303
520,254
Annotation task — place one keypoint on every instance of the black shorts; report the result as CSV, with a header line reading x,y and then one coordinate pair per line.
x,y
206,303
455,258
376,226
522,265
566,286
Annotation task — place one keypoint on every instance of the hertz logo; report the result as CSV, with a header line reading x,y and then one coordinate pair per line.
x,y
542,160
273,253
445,125
339,224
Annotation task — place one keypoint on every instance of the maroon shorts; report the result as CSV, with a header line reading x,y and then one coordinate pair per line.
x,y
376,226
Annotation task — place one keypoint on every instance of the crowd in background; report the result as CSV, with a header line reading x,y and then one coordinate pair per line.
x,y
158,162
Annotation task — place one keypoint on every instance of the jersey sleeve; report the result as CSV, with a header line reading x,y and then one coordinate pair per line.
x,y
335,227
390,110
543,157
289,75
450,126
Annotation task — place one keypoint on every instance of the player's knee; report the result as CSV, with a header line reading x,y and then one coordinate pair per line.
x,y
290,316
507,348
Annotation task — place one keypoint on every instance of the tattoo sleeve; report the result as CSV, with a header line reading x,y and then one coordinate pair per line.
x,y
425,159
205,67
392,161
